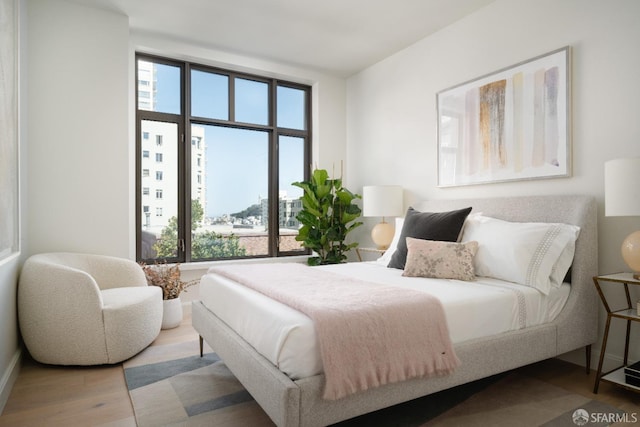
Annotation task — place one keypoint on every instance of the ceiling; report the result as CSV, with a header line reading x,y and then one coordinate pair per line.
x,y
340,37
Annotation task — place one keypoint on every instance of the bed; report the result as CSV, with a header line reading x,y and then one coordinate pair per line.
x,y
292,393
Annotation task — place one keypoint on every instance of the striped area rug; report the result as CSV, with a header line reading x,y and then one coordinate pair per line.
x,y
187,390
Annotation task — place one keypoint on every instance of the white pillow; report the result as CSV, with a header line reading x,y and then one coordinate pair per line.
x,y
386,257
561,268
528,253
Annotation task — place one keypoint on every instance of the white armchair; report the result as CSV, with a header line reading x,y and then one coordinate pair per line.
x,y
79,309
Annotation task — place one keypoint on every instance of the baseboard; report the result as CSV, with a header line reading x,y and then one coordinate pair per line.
x,y
9,378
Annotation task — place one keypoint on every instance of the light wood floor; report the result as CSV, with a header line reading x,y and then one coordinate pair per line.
x,y
97,396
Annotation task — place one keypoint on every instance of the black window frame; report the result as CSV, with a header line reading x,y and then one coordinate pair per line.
x,y
185,120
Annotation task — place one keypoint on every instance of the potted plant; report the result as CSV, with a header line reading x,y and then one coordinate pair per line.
x,y
328,214
167,277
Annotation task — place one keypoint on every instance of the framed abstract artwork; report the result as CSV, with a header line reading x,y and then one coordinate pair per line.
x,y
9,157
512,124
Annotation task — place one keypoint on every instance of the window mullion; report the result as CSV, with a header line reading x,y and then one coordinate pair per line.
x,y
274,196
186,175
232,98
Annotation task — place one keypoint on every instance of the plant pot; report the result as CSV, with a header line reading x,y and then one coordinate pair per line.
x,y
172,313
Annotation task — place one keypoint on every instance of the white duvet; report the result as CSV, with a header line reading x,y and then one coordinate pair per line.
x,y
287,337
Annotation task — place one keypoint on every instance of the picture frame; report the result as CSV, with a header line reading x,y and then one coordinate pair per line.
x,y
9,131
512,124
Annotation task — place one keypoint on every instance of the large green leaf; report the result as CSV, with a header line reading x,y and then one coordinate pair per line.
x,y
320,177
310,201
323,191
354,225
346,196
307,218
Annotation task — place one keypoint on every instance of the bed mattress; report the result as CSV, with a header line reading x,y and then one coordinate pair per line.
x,y
287,337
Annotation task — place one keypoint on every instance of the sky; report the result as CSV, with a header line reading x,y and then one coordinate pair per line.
x,y
230,188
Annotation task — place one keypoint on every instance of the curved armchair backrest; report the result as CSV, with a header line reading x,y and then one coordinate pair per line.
x,y
108,272
48,277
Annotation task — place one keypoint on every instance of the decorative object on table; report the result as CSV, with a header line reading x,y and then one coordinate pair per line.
x,y
328,214
632,374
512,124
622,198
383,201
167,277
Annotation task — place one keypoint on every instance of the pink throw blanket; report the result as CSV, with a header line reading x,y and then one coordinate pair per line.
x,y
369,334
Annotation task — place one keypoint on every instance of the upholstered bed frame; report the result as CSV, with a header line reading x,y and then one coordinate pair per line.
x,y
300,403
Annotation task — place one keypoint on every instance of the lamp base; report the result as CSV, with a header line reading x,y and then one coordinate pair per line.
x,y
382,235
631,253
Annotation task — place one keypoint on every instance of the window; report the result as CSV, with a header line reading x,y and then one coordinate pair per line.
x,y
145,154
226,192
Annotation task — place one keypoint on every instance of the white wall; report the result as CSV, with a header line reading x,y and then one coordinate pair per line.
x,y
9,346
391,106
74,184
79,194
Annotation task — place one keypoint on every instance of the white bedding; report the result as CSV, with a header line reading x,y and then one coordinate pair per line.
x,y
287,338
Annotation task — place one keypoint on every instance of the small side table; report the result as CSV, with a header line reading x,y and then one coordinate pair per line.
x,y
630,314
359,252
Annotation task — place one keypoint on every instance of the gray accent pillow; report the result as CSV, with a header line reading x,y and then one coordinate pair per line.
x,y
442,226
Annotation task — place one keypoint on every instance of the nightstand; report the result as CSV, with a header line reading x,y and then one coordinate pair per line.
x,y
377,251
630,314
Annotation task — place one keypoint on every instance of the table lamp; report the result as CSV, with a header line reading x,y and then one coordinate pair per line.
x,y
383,201
622,198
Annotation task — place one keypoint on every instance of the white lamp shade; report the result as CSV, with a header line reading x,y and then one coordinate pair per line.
x,y
622,187
622,198
382,200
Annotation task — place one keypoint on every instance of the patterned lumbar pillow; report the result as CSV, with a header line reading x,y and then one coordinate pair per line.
x,y
441,260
